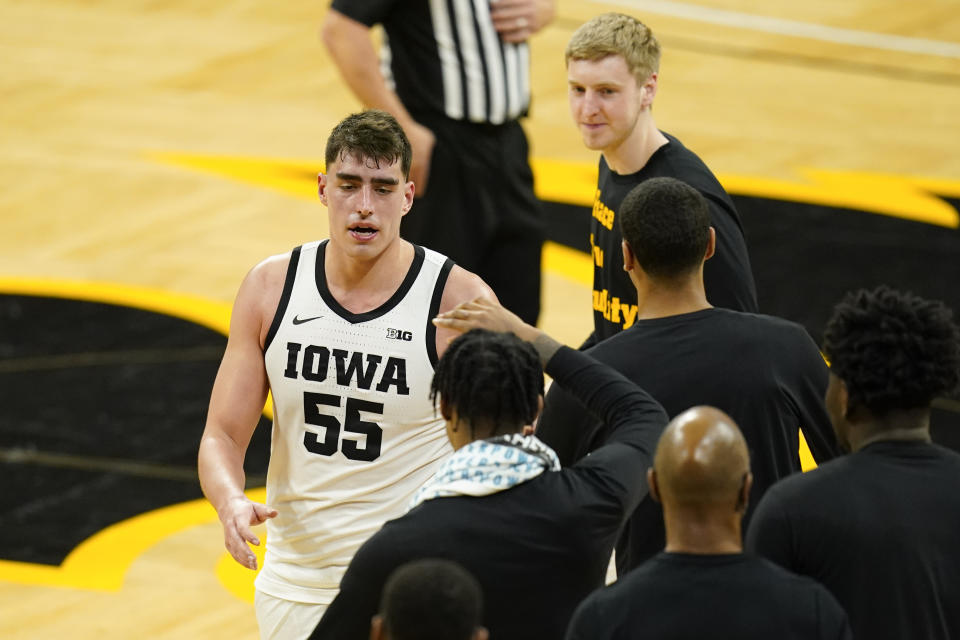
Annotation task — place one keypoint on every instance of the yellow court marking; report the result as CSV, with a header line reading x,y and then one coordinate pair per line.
x,y
910,198
286,175
207,313
571,264
904,197
567,182
100,562
890,195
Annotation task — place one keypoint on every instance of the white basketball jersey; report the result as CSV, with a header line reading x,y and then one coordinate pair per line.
x,y
354,431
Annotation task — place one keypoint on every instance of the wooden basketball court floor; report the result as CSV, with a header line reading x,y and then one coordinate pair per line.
x,y
152,151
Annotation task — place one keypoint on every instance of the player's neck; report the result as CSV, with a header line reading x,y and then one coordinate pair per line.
x,y
702,531
901,426
662,299
361,285
633,153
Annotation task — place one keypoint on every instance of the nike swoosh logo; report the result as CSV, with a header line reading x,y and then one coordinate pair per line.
x,y
298,320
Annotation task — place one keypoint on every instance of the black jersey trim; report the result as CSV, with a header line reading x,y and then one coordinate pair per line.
x,y
435,309
284,297
386,307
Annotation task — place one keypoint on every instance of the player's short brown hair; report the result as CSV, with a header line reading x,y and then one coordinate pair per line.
x,y
371,134
611,34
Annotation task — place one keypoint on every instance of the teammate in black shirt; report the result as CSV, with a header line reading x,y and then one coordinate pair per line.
x,y
879,527
538,538
703,586
613,69
765,372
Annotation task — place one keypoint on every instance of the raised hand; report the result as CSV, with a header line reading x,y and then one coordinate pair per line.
x,y
483,313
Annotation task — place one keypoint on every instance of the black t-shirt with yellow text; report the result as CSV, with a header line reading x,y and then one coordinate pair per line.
x,y
727,275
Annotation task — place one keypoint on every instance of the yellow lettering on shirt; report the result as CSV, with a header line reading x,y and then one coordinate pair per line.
x,y
613,310
600,300
629,315
602,212
597,253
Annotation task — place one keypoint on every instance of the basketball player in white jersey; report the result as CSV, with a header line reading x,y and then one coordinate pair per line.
x,y
339,332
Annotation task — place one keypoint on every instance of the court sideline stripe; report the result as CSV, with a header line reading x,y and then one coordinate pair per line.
x,y
793,28
138,468
111,358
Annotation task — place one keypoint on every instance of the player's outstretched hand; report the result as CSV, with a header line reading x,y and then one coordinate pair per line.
x,y
484,313
238,516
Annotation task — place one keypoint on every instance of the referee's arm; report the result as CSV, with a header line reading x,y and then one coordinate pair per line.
x,y
351,48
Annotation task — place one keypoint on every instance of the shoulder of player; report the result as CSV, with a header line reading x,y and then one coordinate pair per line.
x,y
765,327
262,287
633,587
782,344
780,579
615,351
463,286
813,492
270,273
679,161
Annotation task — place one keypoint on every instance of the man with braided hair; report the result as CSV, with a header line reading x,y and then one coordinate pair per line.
x,y
537,538
879,527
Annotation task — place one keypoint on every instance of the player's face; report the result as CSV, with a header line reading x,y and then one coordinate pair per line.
x,y
366,201
605,101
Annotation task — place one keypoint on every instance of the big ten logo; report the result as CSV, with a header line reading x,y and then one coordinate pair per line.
x,y
398,334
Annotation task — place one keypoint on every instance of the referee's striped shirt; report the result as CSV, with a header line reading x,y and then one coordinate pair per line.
x,y
444,56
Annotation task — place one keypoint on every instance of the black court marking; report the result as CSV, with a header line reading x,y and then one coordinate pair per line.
x,y
101,411
110,358
805,257
113,465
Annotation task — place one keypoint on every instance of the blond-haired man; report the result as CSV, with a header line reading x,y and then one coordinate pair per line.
x,y
613,70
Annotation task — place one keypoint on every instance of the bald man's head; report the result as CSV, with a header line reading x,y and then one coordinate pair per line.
x,y
702,460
